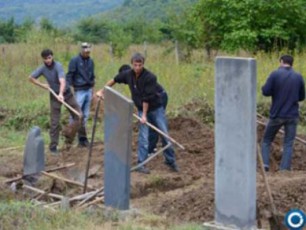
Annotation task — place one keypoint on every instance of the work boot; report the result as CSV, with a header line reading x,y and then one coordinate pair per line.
x,y
143,170
173,167
53,150
83,142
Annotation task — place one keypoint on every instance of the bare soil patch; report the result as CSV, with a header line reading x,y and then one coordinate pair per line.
x,y
187,195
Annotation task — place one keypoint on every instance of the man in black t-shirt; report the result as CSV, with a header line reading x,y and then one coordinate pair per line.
x,y
145,91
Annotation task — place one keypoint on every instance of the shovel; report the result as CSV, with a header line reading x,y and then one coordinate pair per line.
x,y
91,144
275,222
65,104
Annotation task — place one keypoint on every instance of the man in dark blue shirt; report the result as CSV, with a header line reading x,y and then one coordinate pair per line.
x,y
81,77
287,88
145,91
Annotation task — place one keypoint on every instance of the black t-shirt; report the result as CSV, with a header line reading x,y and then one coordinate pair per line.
x,y
143,89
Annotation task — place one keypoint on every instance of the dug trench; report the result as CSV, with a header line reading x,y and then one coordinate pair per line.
x,y
187,196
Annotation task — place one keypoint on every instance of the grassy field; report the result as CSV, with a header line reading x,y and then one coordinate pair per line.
x,y
23,215
24,104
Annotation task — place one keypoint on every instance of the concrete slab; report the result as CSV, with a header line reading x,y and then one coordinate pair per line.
x,y
118,115
235,142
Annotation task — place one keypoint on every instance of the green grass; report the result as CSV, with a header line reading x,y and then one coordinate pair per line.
x,y
26,105
26,216
22,215
11,137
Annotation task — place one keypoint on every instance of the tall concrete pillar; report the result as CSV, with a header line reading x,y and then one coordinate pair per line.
x,y
118,115
235,142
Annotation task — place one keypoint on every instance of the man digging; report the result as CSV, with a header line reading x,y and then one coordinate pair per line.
x,y
55,76
145,94
287,89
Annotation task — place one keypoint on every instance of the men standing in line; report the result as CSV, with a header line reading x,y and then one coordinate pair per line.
x,y
81,77
287,88
55,76
145,94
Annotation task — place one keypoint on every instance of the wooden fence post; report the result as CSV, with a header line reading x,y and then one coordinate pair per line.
x,y
176,50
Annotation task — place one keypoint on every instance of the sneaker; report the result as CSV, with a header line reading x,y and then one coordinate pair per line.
x,y
53,150
173,167
143,170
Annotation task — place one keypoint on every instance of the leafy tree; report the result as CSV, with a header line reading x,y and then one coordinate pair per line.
x,y
120,40
184,28
251,24
46,25
93,30
24,29
7,31
142,30
127,3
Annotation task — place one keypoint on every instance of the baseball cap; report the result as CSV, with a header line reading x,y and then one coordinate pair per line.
x,y
86,47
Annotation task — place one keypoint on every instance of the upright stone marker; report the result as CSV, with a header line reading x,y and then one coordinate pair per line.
x,y
34,153
118,115
235,142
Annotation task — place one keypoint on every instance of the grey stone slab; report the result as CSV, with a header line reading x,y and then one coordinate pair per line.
x,y
34,153
235,142
118,115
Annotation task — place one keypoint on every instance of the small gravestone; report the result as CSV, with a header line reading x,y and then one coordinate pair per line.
x,y
118,111
34,154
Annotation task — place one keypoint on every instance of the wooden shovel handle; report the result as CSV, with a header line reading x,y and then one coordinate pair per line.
x,y
65,104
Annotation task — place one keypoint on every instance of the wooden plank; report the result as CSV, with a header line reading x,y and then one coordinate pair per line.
x,y
64,179
49,170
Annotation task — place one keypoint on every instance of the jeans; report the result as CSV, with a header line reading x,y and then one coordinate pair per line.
x,y
158,117
153,135
270,132
83,98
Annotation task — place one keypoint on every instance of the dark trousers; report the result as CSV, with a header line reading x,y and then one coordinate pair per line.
x,y
270,132
55,108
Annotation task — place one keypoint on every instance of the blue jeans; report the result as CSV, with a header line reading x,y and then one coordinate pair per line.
x,y
153,135
83,98
270,132
158,117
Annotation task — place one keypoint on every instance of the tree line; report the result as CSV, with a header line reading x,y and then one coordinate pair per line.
x,y
228,25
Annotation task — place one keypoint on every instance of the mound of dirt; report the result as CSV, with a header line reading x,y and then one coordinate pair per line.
x,y
197,204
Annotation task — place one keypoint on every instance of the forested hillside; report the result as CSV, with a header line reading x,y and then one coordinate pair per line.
x,y
193,24
147,9
135,21
60,12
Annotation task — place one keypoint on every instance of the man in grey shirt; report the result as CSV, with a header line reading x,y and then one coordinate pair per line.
x,y
55,76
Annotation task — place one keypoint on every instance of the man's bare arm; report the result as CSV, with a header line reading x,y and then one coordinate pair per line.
x,y
145,108
110,83
36,82
62,89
